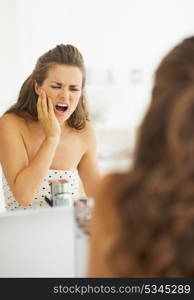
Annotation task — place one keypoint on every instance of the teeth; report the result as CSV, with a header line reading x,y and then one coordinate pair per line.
x,y
62,105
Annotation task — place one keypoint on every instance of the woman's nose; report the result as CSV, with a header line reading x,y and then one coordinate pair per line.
x,y
64,94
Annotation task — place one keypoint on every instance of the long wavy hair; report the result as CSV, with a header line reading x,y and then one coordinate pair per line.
x,y
155,199
27,99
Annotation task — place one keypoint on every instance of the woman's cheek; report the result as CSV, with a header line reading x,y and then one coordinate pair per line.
x,y
74,107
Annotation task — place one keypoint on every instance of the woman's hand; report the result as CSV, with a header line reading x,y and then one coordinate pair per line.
x,y
47,117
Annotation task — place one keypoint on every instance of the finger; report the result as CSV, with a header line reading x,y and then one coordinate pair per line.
x,y
38,105
50,107
44,104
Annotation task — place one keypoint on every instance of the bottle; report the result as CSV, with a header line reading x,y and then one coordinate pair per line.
x,y
61,195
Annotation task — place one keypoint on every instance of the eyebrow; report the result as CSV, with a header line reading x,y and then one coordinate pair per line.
x,y
58,83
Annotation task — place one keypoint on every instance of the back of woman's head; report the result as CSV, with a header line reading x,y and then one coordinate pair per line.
x,y
27,99
166,133
156,198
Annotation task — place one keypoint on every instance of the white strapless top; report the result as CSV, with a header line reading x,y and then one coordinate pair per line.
x,y
71,176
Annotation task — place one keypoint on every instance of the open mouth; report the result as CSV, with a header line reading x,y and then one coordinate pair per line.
x,y
62,107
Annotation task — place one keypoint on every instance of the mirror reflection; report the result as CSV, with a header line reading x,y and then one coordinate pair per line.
x,y
86,69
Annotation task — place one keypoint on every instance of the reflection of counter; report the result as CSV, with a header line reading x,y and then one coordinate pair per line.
x,y
41,243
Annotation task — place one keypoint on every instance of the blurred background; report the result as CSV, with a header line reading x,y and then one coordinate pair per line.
x,y
122,42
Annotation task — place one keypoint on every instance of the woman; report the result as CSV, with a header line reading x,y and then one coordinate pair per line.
x,y
143,223
46,134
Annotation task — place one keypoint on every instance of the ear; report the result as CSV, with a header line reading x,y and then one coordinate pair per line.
x,y
37,88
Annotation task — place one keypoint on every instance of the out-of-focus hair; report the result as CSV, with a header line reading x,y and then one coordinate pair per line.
x,y
155,199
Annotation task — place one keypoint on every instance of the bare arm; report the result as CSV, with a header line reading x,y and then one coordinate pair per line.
x,y
88,166
25,177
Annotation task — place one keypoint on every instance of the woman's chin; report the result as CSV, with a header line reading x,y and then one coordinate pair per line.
x,y
63,117
61,120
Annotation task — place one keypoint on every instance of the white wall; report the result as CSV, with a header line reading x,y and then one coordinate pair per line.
x,y
122,42
117,36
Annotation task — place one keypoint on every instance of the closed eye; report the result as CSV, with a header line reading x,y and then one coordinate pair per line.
x,y
55,87
73,89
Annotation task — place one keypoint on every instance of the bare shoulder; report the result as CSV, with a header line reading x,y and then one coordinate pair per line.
x,y
12,121
11,137
88,131
88,135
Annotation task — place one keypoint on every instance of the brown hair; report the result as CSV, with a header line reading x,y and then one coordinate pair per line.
x,y
27,99
155,199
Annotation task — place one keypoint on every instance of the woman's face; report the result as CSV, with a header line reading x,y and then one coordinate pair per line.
x,y
64,86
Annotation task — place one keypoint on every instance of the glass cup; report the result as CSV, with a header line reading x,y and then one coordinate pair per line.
x,y
83,213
